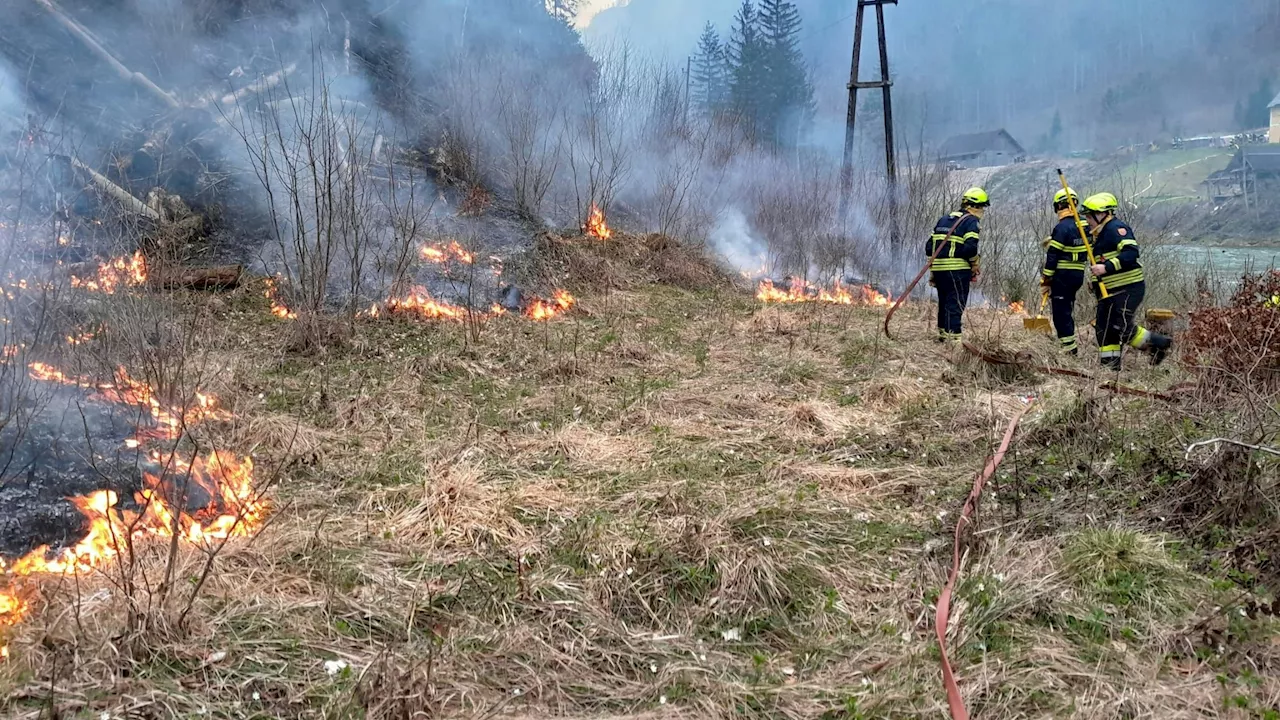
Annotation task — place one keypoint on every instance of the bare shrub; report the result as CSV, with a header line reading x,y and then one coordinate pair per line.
x,y
462,150
408,213
313,155
794,207
532,139
600,157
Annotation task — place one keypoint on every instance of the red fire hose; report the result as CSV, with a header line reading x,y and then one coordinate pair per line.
x,y
943,616
907,293
1112,386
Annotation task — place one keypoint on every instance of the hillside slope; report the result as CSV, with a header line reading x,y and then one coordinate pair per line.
x,y
676,503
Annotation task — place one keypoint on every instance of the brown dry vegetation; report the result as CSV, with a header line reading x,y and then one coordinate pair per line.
x,y
676,503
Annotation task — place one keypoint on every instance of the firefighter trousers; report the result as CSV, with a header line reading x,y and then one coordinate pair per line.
x,y
1117,323
1062,302
953,298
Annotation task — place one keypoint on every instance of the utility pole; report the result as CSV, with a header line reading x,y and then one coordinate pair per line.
x,y
688,75
886,86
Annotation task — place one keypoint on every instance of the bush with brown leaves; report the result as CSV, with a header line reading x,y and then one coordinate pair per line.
x,y
1239,342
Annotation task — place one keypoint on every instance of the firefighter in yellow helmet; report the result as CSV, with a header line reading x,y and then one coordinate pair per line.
x,y
1120,270
1065,262
956,266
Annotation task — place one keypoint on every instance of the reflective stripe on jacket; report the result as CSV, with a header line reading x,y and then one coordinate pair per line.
x,y
961,251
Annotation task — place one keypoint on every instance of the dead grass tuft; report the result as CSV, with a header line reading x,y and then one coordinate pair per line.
x,y
589,450
626,262
893,393
821,418
458,507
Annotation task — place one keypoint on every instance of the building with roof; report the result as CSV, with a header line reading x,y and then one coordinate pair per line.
x,y
984,149
1273,135
1252,166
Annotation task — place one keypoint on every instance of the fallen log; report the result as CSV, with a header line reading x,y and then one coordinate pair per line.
x,y
265,83
124,196
96,47
221,277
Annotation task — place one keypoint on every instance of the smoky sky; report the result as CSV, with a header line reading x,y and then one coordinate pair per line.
x,y
1178,66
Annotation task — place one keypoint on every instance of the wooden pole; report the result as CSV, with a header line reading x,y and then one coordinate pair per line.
x,y
94,46
851,118
890,158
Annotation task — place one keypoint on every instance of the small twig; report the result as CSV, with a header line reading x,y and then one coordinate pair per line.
x,y
1229,441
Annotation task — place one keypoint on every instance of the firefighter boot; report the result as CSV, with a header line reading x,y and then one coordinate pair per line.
x,y
1159,347
1112,363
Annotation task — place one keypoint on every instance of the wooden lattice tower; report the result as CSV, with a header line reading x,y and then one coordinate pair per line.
x,y
886,86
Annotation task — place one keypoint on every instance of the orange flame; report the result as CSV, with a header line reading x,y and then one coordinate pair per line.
x,y
11,611
441,254
1017,308
419,302
127,391
278,308
802,291
596,227
234,510
114,274
540,309
222,483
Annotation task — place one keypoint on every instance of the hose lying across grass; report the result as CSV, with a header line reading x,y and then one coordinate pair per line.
x,y
943,616
1112,386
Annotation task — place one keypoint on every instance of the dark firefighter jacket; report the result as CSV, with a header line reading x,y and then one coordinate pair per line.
x,y
1115,246
961,250
1064,249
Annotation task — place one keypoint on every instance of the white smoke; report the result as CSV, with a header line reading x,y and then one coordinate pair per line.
x,y
11,103
735,242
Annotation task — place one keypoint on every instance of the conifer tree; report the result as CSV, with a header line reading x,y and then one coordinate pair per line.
x,y
785,86
709,75
563,10
747,69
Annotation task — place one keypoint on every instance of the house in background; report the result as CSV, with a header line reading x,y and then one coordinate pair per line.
x,y
1273,135
985,149
1254,168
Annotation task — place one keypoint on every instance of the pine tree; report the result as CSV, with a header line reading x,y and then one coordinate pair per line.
x,y
787,90
1257,114
563,10
746,63
1055,132
709,81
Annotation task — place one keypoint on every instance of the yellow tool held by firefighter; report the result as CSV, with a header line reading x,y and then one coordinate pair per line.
x,y
1039,323
1075,213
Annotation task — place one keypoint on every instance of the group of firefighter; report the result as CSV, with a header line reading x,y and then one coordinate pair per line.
x,y
1116,267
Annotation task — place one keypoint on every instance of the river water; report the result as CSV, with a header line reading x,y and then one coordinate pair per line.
x,y
1226,263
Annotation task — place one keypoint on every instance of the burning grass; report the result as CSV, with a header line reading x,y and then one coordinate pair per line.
x,y
114,274
794,290
596,226
671,503
194,499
